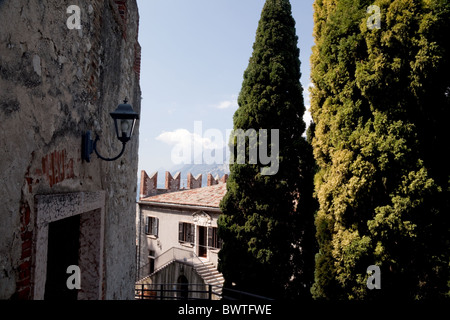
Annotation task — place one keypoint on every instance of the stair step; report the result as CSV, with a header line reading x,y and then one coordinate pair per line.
x,y
217,282
210,279
208,272
210,275
220,278
205,267
214,276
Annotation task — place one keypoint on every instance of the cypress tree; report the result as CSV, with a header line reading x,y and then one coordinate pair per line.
x,y
380,104
265,220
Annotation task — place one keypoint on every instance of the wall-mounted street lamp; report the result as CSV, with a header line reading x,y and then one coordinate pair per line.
x,y
124,120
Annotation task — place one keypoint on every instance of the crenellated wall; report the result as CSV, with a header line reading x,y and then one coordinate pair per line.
x,y
148,185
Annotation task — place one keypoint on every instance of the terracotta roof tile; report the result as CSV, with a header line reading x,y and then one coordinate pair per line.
x,y
206,196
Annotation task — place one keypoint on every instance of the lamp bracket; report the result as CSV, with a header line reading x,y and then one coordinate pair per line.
x,y
89,146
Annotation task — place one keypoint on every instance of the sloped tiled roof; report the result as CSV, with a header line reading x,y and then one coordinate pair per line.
x,y
206,196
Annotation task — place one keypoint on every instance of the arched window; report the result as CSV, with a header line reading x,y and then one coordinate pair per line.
x,y
183,288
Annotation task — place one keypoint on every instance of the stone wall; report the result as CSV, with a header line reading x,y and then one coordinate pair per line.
x,y
149,184
56,83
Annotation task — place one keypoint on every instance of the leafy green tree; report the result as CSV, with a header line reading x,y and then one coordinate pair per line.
x,y
380,104
265,220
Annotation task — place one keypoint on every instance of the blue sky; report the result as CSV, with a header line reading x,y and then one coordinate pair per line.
x,y
194,54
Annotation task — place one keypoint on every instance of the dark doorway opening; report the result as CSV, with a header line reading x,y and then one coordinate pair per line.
x,y
63,248
202,239
183,287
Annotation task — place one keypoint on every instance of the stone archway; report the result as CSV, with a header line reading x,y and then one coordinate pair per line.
x,y
90,207
183,287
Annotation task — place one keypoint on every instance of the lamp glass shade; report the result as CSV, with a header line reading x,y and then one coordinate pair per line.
x,y
124,121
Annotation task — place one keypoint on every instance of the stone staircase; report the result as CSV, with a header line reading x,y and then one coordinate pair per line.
x,y
202,266
210,275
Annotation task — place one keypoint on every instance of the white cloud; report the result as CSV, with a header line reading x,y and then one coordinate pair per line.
x,y
185,138
307,115
232,103
307,118
174,137
189,147
307,93
225,105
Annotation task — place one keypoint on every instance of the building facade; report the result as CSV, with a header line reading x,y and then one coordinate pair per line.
x,y
178,225
63,68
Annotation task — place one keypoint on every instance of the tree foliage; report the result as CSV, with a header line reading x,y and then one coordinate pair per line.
x,y
380,104
266,218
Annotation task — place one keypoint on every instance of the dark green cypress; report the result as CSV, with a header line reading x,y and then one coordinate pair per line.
x,y
266,218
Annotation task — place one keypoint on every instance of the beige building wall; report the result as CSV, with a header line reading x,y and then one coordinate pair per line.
x,y
169,218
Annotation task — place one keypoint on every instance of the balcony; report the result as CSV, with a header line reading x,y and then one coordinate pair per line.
x,y
210,289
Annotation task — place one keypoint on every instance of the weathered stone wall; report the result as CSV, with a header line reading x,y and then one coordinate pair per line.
x,y
56,83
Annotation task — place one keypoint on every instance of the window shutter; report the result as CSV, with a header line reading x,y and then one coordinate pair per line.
x,y
156,226
180,231
210,237
192,232
147,222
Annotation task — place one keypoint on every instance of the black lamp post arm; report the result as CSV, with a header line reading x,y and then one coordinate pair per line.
x,y
124,130
108,159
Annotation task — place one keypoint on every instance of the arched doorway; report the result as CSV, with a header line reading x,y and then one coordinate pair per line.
x,y
202,220
182,288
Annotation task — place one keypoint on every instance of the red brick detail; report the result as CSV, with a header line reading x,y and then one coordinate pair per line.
x,y
193,183
56,167
23,284
215,180
137,52
24,294
123,12
224,179
148,185
207,196
137,59
173,184
210,180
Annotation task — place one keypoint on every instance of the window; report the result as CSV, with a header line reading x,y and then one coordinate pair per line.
x,y
186,232
213,239
151,226
151,261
